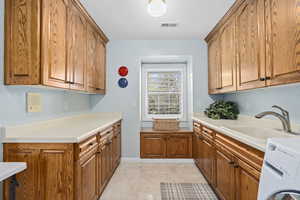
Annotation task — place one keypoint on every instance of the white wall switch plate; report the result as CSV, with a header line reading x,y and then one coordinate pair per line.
x,y
34,102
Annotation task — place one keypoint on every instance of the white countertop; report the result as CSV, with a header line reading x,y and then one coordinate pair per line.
x,y
249,130
72,129
8,169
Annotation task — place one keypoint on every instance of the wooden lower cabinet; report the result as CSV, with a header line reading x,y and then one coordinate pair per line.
x,y
49,173
153,146
247,181
230,167
87,178
225,183
179,146
162,144
64,171
206,158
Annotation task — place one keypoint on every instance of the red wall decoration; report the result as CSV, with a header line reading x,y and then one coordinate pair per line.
x,y
123,71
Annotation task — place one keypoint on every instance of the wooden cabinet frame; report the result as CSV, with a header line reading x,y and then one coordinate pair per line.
x,y
235,167
166,144
65,171
45,44
266,46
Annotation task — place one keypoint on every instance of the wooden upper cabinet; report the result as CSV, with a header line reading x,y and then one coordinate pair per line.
x,y
54,42
100,67
282,27
22,42
261,38
46,43
228,58
250,51
214,82
96,53
92,39
77,28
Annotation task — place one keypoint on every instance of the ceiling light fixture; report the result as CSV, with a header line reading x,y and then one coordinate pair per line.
x,y
157,8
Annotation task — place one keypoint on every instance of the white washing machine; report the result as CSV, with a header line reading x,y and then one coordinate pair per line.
x,y
280,178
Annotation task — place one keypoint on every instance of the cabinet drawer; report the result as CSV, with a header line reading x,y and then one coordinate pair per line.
x,y
87,145
106,132
117,127
244,152
197,125
208,133
196,129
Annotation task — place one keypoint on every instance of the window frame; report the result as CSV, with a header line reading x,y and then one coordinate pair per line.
x,y
157,67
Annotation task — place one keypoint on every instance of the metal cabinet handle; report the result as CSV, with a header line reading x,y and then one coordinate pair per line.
x,y
70,82
262,79
231,162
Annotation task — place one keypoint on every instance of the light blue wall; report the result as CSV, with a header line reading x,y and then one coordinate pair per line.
x,y
254,101
129,53
13,98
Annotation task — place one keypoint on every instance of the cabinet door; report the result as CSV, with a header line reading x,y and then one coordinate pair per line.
x,y
225,184
22,42
214,82
110,159
104,166
100,67
195,146
88,179
100,185
56,173
116,143
119,146
153,146
247,179
114,151
283,58
250,45
228,57
54,42
92,39
200,155
27,179
207,159
76,74
179,146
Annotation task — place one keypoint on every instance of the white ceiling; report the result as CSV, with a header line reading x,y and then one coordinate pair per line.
x,y
129,19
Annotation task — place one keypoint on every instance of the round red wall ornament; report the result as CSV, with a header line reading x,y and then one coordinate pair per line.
x,y
123,71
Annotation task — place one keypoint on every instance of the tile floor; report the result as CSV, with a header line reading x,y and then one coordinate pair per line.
x,y
141,181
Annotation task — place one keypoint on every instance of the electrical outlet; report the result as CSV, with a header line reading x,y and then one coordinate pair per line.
x,y
34,102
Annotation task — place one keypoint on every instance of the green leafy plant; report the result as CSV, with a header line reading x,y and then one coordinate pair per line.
x,y
222,110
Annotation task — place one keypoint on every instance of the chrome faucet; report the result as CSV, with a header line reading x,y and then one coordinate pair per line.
x,y
284,117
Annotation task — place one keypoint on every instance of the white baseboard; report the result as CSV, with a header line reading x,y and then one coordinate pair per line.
x,y
139,160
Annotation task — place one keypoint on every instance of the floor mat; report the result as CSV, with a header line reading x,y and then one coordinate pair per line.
x,y
186,191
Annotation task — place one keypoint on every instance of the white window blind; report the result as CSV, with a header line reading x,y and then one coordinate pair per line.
x,y
163,91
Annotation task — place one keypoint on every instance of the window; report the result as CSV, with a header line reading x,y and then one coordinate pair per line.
x,y
163,91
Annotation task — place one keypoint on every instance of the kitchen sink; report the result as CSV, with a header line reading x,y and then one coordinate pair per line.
x,y
257,132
